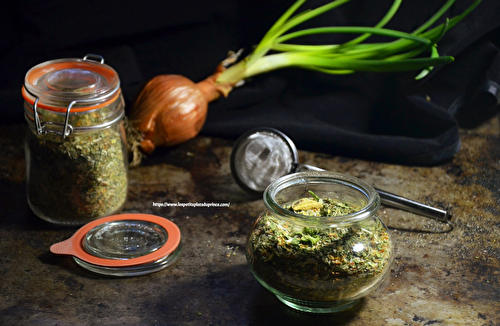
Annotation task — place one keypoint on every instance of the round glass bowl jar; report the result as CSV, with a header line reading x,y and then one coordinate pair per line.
x,y
317,263
76,155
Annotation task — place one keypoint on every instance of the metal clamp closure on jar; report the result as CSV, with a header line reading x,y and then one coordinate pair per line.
x,y
76,166
70,86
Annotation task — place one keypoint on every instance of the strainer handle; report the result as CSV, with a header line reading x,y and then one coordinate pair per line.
x,y
395,201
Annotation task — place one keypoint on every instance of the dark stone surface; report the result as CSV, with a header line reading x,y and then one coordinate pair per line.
x,y
438,277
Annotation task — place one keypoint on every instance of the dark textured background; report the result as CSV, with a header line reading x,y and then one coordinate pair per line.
x,y
383,117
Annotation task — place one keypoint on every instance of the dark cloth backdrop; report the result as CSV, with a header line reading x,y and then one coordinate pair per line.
x,y
383,117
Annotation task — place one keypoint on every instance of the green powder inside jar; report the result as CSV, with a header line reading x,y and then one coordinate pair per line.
x,y
78,179
319,263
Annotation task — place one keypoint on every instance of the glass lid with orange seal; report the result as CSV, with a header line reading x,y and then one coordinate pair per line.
x,y
124,245
66,96
57,83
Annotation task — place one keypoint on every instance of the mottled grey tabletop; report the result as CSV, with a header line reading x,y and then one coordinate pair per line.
x,y
439,277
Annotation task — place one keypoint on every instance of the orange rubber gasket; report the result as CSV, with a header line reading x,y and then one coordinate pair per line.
x,y
74,245
41,70
31,100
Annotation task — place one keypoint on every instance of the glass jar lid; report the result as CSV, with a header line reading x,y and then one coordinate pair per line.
x,y
58,83
124,245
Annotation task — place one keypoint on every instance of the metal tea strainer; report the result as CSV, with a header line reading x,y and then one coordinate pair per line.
x,y
263,155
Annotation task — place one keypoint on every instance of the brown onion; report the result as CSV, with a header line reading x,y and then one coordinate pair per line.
x,y
172,109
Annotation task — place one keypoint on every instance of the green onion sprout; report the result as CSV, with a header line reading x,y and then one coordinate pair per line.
x,y
415,50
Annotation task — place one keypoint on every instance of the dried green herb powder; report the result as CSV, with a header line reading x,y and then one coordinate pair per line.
x,y
315,263
77,179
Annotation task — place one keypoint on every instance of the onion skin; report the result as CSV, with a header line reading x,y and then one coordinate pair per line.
x,y
172,109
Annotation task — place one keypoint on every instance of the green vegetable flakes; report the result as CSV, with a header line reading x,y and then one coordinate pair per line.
x,y
78,179
319,263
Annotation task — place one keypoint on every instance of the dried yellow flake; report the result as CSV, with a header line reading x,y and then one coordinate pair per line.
x,y
305,204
